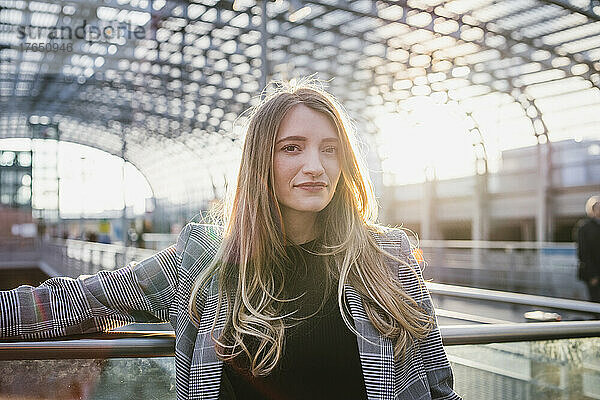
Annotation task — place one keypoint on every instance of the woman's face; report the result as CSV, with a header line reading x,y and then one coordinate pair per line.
x,y
305,161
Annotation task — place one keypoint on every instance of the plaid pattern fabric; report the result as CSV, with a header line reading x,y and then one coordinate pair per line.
x,y
158,289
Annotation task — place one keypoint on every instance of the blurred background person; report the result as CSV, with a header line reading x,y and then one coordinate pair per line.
x,y
588,248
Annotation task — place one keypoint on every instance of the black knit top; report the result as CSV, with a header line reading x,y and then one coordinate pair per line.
x,y
320,358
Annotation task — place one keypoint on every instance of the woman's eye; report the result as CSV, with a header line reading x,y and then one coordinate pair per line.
x,y
289,147
331,149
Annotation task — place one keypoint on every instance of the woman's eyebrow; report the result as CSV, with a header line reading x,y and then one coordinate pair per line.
x,y
303,139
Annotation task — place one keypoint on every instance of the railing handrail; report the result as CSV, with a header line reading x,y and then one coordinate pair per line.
x,y
110,248
465,292
518,332
95,345
466,244
151,236
161,343
497,244
483,244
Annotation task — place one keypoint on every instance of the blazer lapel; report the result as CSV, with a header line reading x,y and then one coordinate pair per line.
x,y
376,351
206,367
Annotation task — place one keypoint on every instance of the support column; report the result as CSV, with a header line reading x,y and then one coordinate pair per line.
x,y
480,223
429,224
543,208
264,36
375,169
124,211
527,231
59,219
479,227
543,217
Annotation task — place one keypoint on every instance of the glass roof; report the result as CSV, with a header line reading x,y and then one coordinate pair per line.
x,y
163,83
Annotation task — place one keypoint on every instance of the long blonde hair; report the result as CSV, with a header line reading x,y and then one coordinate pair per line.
x,y
250,260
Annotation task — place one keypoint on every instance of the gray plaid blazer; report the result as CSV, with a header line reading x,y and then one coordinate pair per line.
x,y
158,288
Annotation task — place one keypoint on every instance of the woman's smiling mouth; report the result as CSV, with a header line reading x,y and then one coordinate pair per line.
x,y
312,186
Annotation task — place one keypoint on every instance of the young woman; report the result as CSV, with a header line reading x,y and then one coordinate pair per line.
x,y
298,294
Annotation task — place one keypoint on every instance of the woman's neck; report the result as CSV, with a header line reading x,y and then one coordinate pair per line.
x,y
299,226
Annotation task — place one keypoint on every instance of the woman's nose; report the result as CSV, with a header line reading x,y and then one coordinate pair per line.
x,y
312,163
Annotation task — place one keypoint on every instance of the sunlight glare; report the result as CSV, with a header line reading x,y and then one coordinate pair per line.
x,y
90,179
425,136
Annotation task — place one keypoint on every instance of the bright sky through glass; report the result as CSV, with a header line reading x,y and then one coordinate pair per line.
x,y
95,182
91,179
428,136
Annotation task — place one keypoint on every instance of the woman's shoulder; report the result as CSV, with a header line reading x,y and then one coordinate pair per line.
x,y
196,239
396,241
390,237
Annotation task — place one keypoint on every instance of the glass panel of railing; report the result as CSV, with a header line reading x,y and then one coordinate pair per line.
x,y
106,379
554,369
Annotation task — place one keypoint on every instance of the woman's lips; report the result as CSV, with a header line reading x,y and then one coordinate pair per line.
x,y
311,188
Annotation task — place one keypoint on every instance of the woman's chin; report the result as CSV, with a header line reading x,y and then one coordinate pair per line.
x,y
310,207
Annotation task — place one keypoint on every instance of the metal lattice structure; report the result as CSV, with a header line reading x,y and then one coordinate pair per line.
x,y
167,99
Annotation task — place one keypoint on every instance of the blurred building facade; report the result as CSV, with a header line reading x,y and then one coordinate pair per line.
x,y
510,207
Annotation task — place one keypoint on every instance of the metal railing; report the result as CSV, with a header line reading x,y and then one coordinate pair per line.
x,y
92,346
18,252
526,267
161,344
489,353
75,257
157,241
465,292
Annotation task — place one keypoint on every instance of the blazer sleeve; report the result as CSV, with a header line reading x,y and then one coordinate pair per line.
x,y
60,306
435,361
